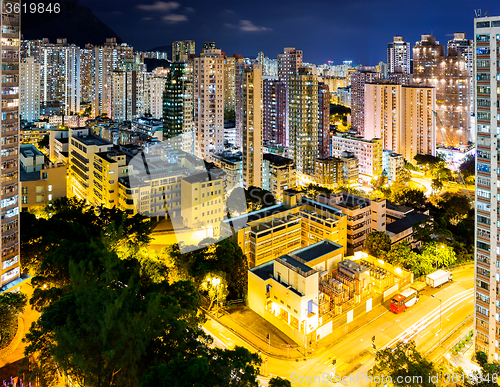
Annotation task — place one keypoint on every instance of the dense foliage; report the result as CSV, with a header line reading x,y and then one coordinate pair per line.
x,y
114,313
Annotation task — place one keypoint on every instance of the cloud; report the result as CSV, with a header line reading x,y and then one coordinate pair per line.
x,y
163,6
189,9
147,18
247,25
175,18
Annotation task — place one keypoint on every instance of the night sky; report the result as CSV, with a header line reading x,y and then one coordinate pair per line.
x,y
356,30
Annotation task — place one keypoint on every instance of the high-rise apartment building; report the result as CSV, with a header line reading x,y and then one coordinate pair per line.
x,y
398,55
230,64
273,115
289,63
182,49
303,120
279,174
29,90
240,66
209,103
486,317
323,120
9,232
368,152
465,47
252,128
60,75
358,81
178,105
87,73
108,57
127,94
154,87
402,116
448,74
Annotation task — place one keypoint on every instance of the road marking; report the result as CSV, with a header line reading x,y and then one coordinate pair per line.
x,y
227,338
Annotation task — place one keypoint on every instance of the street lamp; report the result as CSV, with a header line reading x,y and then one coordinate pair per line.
x,y
216,282
440,325
437,255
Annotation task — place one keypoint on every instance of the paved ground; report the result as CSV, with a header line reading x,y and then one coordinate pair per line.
x,y
8,363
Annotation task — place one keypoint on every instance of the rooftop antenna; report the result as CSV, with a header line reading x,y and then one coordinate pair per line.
x,y
478,12
485,13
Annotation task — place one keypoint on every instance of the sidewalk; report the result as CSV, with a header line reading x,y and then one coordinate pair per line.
x,y
253,329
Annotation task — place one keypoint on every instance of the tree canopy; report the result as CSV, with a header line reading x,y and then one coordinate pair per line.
x,y
377,243
11,305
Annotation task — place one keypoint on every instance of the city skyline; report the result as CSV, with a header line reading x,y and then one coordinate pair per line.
x,y
328,35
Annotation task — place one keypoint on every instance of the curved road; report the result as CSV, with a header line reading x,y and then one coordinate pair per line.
x,y
421,323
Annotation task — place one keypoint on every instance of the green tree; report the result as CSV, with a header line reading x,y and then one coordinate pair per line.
x,y
279,382
44,141
440,255
214,285
413,198
436,185
428,161
401,255
112,324
404,175
456,207
216,368
377,243
403,360
11,305
468,167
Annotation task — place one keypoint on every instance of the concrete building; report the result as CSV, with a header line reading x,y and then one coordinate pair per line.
x,y
350,169
29,90
486,317
358,81
181,49
399,55
363,216
279,174
289,64
252,128
465,47
202,201
368,152
127,93
303,120
323,120
232,165
41,181
154,87
402,116
87,74
178,105
283,228
448,74
231,66
209,103
274,111
302,292
148,125
329,172
10,267
400,221
60,74
392,164
109,57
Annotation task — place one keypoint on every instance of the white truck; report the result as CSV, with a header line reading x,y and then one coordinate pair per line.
x,y
438,278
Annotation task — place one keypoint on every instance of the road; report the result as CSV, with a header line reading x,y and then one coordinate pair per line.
x,y
421,323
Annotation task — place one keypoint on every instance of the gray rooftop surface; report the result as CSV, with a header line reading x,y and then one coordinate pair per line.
x,y
405,223
264,271
317,250
295,263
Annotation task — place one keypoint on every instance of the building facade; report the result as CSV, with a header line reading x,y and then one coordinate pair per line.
x,y
10,267
29,90
279,174
399,55
368,152
323,120
252,146
209,103
449,75
303,120
486,318
358,81
181,49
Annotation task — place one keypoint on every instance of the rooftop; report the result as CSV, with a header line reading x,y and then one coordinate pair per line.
x,y
317,250
353,266
398,208
277,160
400,225
92,140
29,150
264,271
295,263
